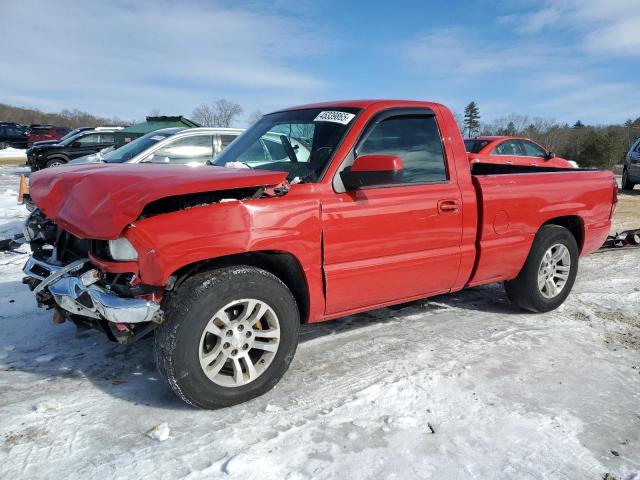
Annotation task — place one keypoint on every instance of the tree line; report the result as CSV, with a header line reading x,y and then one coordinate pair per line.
x,y
73,118
601,146
219,113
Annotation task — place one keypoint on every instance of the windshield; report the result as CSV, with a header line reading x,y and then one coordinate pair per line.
x,y
133,148
299,142
68,139
474,145
72,133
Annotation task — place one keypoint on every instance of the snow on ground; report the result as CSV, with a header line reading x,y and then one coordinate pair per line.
x,y
460,386
13,156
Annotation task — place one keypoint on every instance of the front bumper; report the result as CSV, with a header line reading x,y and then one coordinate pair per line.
x,y
93,301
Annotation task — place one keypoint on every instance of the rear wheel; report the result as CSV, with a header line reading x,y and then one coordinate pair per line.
x,y
228,336
549,272
626,183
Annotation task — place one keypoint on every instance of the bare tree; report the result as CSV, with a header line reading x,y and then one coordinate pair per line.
x,y
254,117
154,112
225,112
220,113
204,115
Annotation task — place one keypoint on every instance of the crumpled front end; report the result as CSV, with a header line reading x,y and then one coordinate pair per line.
x,y
62,277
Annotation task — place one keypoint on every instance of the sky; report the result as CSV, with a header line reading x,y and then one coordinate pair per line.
x,y
566,60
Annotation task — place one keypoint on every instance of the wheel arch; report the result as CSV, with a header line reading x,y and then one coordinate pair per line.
x,y
573,223
56,156
283,265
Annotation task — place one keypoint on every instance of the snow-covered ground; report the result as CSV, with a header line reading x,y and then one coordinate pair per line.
x,y
13,156
460,386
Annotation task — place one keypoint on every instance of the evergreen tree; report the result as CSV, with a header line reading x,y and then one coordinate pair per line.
x,y
597,150
471,118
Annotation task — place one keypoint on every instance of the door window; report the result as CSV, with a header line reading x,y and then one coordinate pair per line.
x,y
195,149
416,140
89,140
532,150
106,138
226,140
510,147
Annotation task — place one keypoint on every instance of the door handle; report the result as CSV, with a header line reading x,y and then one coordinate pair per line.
x,y
448,206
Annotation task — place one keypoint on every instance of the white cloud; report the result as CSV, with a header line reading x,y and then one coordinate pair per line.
x,y
127,58
606,28
465,54
537,74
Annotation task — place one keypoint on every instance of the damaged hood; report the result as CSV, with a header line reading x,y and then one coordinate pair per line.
x,y
99,200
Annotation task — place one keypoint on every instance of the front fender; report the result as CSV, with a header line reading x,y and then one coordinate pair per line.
x,y
168,242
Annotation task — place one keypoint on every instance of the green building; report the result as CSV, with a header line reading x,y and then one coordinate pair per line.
x,y
153,123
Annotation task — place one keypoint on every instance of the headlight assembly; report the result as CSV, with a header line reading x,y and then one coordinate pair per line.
x,y
122,250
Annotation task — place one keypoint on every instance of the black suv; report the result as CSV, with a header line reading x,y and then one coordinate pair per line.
x,y
79,145
13,135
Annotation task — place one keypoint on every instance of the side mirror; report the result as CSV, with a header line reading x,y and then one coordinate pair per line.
x,y
155,159
372,170
76,144
550,155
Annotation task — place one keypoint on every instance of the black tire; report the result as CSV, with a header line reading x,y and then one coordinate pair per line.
x,y
523,290
626,184
55,162
188,311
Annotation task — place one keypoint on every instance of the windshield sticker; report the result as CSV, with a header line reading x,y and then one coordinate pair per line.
x,y
337,117
157,138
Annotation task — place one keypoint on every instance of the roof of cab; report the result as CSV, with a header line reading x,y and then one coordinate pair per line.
x,y
362,104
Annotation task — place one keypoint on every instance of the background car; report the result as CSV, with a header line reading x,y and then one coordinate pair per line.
x,y
75,132
79,145
631,168
191,146
129,150
38,133
70,134
512,151
12,135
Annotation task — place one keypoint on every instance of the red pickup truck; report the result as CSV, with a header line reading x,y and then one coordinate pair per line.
x,y
315,212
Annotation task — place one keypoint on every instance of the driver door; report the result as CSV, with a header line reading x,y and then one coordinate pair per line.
x,y
392,243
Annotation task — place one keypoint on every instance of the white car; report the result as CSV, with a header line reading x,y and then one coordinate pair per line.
x,y
190,146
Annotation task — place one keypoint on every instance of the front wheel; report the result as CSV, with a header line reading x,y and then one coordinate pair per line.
x,y
626,184
55,162
228,336
549,272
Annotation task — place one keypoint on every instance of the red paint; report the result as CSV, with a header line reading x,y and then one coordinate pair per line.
x,y
110,266
488,154
99,200
45,133
358,250
377,163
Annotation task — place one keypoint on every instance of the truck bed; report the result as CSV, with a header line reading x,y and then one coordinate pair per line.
x,y
514,201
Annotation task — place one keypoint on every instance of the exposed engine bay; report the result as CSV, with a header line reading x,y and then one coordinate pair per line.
x,y
63,276
63,279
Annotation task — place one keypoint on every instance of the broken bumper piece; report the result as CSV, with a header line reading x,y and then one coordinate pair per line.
x,y
70,294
